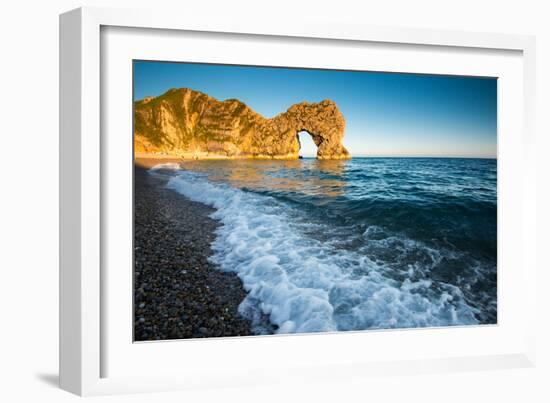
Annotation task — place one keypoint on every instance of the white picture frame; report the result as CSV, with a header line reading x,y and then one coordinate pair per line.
x,y
83,310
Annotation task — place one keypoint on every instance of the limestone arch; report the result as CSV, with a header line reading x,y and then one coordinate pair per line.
x,y
323,122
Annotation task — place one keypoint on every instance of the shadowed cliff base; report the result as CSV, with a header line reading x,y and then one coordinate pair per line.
x,y
188,124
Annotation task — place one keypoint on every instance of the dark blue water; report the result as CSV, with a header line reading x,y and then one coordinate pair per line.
x,y
360,244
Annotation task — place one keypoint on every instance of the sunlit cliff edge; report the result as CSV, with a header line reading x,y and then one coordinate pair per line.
x,y
192,125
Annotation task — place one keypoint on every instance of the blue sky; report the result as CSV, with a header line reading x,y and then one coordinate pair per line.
x,y
387,114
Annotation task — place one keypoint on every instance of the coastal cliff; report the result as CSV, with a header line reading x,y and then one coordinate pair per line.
x,y
190,124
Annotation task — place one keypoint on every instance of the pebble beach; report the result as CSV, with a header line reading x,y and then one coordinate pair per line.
x,y
178,293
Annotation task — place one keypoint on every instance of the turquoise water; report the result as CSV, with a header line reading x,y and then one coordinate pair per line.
x,y
369,243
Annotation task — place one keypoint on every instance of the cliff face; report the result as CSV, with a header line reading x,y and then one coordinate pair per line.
x,y
191,124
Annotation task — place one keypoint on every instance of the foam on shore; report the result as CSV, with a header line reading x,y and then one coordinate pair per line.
x,y
305,285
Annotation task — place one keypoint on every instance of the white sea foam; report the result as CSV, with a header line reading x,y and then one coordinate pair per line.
x,y
305,285
172,166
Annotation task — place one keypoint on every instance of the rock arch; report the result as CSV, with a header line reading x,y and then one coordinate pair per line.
x,y
323,121
190,124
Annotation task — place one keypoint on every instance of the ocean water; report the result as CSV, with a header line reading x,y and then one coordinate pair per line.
x,y
369,243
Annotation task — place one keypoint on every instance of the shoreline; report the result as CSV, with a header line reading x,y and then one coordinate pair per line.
x,y
148,160
146,163
204,156
178,293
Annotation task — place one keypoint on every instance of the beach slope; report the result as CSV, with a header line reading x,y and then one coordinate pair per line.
x,y
178,293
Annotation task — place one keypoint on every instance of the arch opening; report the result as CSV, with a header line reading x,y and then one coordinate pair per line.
x,y
307,147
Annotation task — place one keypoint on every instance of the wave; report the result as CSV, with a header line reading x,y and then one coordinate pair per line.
x,y
305,284
171,166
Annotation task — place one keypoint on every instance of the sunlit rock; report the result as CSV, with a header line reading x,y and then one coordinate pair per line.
x,y
190,124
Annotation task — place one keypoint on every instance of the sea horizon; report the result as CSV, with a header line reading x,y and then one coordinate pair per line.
x,y
411,156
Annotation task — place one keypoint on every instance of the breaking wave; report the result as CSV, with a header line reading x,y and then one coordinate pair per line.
x,y
307,275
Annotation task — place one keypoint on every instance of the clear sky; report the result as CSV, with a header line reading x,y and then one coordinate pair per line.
x,y
387,114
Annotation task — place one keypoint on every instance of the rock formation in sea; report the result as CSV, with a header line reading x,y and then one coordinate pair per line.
x,y
190,124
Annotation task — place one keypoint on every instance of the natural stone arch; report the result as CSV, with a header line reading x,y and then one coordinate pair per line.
x,y
323,121
191,124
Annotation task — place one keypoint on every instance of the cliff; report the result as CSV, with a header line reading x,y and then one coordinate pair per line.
x,y
190,124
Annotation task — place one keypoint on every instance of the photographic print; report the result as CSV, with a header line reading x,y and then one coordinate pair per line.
x,y
273,200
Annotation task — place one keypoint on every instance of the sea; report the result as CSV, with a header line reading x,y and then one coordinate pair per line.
x,y
366,243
